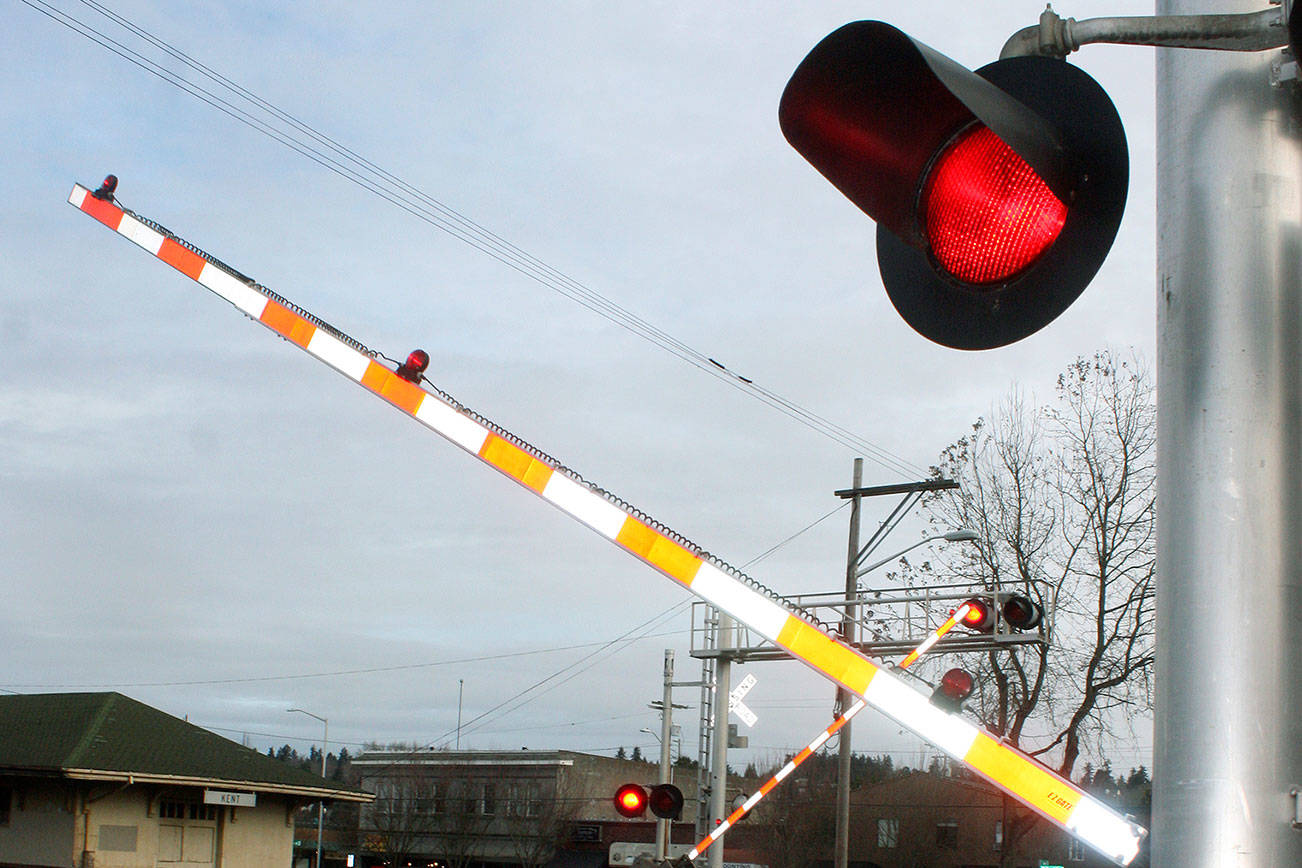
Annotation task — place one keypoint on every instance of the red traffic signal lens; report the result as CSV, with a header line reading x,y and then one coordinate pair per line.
x,y
957,684
1022,613
666,801
979,616
988,215
630,801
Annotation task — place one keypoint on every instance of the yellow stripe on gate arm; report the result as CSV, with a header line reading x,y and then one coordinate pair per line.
x,y
1012,771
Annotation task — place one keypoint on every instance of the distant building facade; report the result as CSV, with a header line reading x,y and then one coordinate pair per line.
x,y
99,780
943,821
466,809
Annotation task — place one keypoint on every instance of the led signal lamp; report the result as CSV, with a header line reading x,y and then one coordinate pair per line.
x,y
980,615
664,800
1021,612
954,688
1016,613
997,193
630,801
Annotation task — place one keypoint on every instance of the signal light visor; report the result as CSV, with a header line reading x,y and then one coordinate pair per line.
x,y
988,216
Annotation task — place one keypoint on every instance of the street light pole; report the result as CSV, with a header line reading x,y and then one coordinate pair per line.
x,y
849,631
841,855
961,535
320,805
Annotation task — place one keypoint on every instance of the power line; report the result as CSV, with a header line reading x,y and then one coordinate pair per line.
x,y
284,128
369,670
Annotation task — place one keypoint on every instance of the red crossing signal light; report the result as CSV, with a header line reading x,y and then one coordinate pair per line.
x,y
997,193
1021,612
666,801
630,801
980,615
955,686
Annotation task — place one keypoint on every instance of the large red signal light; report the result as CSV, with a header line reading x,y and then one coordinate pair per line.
x,y
955,686
997,192
980,615
988,214
630,801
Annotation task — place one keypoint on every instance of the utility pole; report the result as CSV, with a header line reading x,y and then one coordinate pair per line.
x,y
719,759
841,855
1228,722
666,770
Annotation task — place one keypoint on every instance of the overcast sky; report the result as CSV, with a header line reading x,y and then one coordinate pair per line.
x,y
200,516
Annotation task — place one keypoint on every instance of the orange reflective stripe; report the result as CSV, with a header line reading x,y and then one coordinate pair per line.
x,y
392,388
825,654
185,261
659,551
375,376
284,321
515,462
103,211
1023,777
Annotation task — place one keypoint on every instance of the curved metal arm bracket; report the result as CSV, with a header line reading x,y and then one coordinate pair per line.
x,y
1057,37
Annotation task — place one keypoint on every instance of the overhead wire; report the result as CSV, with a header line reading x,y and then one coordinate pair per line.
x,y
351,166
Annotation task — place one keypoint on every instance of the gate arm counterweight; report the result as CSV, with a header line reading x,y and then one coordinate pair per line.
x,y
711,579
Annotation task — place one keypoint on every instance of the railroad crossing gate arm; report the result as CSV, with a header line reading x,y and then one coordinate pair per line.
x,y
711,579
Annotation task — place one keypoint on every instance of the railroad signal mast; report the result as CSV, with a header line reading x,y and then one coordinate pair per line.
x,y
997,194
1051,796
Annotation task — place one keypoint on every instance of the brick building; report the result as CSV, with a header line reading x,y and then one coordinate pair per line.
x,y
476,808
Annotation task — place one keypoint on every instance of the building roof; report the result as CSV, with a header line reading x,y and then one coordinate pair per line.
x,y
108,736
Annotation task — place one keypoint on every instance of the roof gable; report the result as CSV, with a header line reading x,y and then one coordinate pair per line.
x,y
111,733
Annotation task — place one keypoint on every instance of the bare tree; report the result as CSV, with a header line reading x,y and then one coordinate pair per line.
x,y
1063,498
539,823
458,833
402,815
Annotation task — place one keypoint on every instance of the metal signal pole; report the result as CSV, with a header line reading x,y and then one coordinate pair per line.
x,y
1228,724
841,852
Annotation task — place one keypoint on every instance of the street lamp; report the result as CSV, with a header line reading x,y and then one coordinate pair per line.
x,y
960,535
320,805
841,847
674,736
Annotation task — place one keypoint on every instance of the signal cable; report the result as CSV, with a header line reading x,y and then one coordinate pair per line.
x,y
354,168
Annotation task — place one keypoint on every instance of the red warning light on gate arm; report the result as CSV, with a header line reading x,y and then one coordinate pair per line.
x,y
988,215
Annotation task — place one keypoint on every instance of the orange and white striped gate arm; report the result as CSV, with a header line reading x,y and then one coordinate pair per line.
x,y
1053,797
808,750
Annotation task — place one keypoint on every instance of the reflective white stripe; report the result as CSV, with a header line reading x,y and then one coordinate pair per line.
x,y
723,827
752,801
236,291
338,354
926,644
1099,826
747,605
461,430
820,741
141,234
948,732
78,195
784,771
585,504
